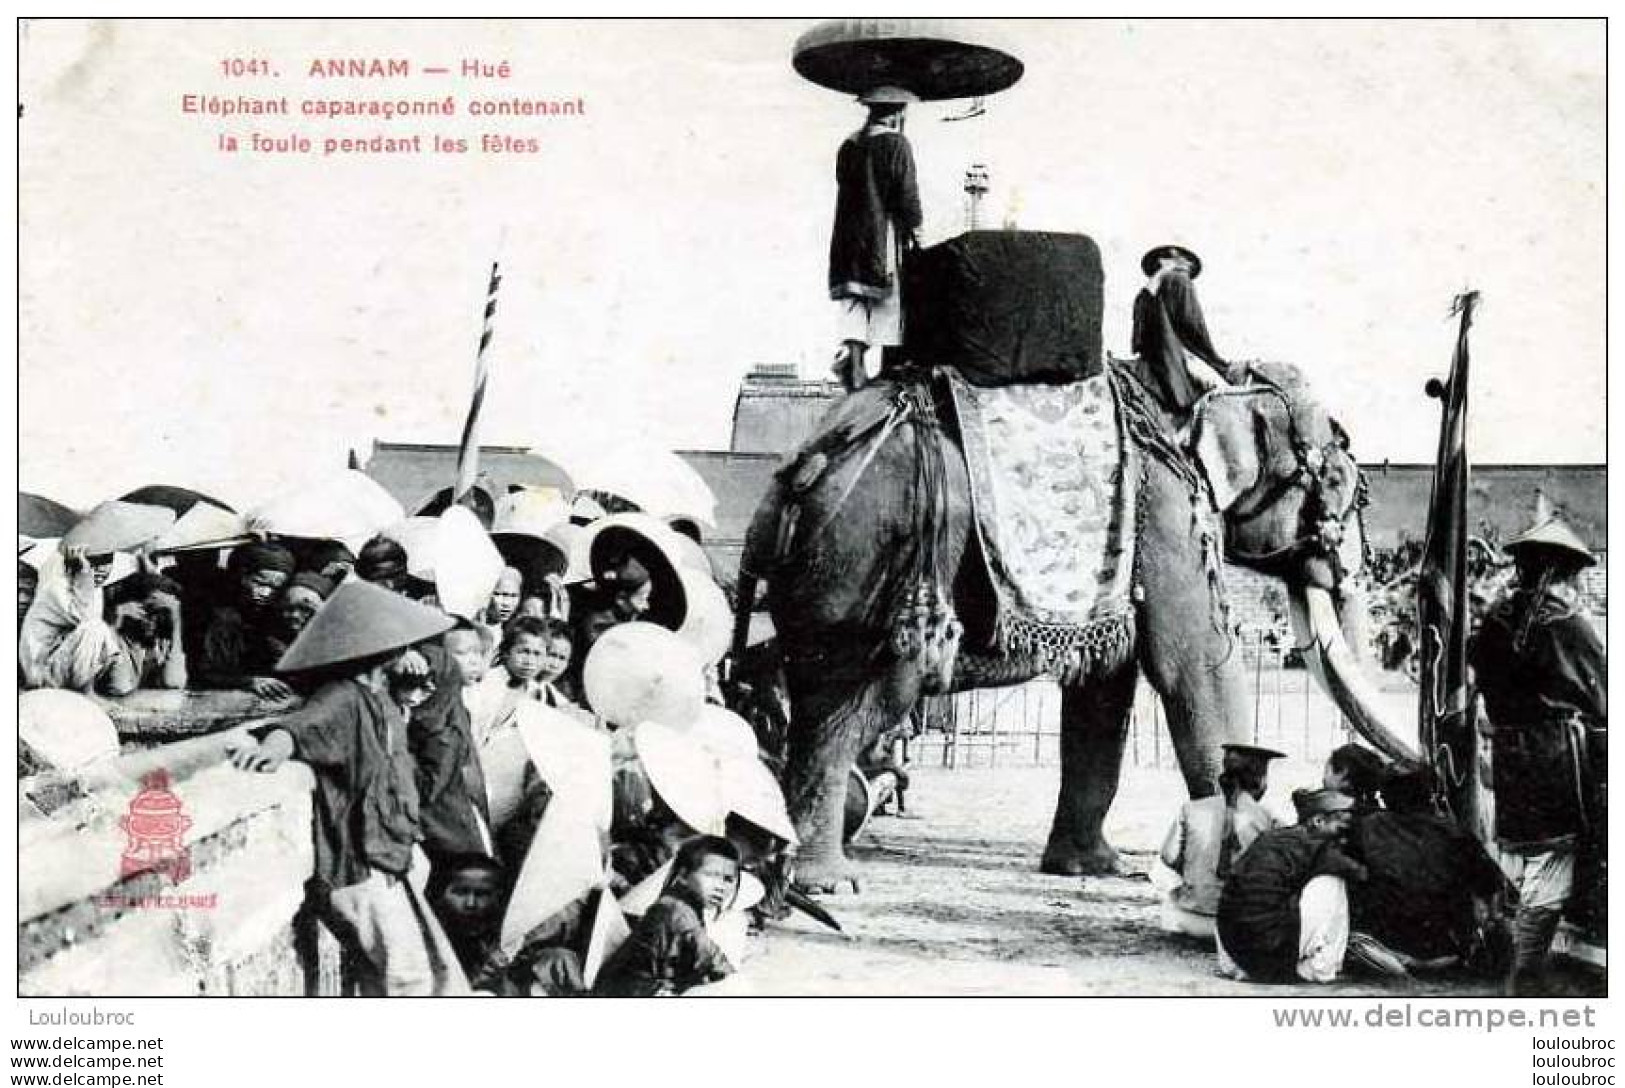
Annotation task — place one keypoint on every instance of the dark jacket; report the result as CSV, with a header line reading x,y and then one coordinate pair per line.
x,y
1258,910
874,172
1424,873
365,800
669,951
451,786
1543,673
234,647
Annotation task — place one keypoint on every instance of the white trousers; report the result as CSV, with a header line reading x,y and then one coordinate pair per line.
x,y
1323,932
1544,878
384,924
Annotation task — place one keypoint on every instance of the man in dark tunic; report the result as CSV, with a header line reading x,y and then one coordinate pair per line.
x,y
1429,880
1170,335
1542,670
1283,914
238,650
439,734
877,211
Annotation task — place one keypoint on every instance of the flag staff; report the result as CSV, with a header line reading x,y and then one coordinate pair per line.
x,y
468,450
1447,729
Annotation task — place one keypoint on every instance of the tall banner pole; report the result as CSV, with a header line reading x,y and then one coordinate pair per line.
x,y
468,451
1448,730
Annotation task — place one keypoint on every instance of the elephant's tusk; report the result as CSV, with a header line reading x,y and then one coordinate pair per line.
x,y
1314,620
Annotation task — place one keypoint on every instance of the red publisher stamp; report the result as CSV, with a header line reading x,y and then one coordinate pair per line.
x,y
154,826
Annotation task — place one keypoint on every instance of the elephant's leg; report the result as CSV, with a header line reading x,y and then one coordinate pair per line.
x,y
1094,727
830,723
840,711
1200,678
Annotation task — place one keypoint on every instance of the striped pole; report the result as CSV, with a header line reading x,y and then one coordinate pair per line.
x,y
468,452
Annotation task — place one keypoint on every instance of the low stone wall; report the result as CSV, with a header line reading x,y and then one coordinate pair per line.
x,y
228,927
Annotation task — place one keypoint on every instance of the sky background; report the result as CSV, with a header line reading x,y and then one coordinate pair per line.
x,y
238,322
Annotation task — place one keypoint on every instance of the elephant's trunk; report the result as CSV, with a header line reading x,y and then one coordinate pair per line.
x,y
1327,652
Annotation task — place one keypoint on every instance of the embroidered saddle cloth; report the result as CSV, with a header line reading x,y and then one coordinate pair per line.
x,y
1053,491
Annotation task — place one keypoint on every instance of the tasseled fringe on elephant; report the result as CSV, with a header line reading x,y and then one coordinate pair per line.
x,y
1098,648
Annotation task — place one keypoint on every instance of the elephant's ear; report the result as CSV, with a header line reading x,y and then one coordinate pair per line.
x,y
1230,444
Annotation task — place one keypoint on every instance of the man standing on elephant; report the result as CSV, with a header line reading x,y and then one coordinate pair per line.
x,y
1542,670
877,213
1170,335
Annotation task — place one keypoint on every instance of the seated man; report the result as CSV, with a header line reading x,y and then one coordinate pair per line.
x,y
237,650
1210,834
144,611
1170,335
1284,914
64,641
1429,880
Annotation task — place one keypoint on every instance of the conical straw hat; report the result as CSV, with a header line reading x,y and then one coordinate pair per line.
x,y
752,793
707,622
42,518
639,672
653,544
65,729
609,932
638,899
564,862
1553,533
571,757
116,526
685,775
359,621
201,527
466,565
724,732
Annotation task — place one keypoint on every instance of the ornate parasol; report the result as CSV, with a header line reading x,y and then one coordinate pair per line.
x,y
933,58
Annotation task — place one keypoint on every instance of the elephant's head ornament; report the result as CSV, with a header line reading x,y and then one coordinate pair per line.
x,y
1280,470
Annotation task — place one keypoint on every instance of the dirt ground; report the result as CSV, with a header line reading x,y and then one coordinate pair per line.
x,y
952,903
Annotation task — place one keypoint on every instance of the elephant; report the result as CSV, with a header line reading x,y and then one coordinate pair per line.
x,y
1260,473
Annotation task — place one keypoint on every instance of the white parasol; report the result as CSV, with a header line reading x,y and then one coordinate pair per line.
x,y
348,506
642,472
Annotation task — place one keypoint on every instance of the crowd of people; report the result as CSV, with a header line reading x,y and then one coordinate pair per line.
x,y
524,780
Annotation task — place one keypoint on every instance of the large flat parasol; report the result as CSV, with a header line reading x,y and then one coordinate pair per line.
x,y
933,58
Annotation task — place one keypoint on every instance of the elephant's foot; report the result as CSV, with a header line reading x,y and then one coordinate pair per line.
x,y
825,876
1067,859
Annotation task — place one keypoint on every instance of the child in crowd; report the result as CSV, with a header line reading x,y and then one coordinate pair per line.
x,y
534,654
503,606
670,951
468,893
352,735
